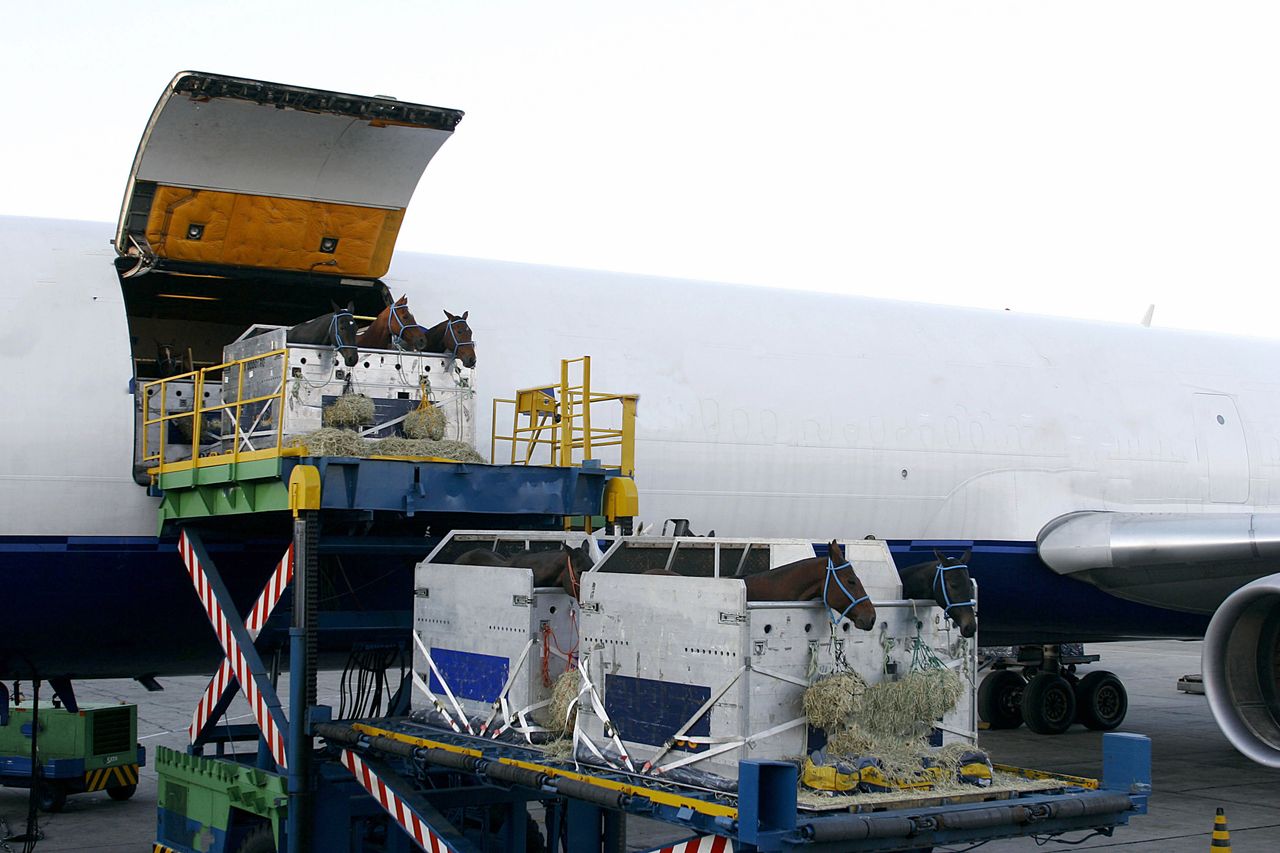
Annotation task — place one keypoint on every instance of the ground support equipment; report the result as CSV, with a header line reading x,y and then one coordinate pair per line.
x,y
85,748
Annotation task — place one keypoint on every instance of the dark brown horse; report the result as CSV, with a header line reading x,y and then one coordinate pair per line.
x,y
561,566
946,581
453,336
337,330
394,328
829,578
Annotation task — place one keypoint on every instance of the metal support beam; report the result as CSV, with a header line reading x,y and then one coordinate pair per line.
x,y
302,674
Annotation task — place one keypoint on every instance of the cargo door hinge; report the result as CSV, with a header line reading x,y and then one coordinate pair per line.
x,y
590,606
422,592
732,618
522,601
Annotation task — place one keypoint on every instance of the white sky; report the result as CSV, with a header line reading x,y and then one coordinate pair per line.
x,y
1083,159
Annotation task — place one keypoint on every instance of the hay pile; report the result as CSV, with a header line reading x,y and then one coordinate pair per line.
x,y
445,449
426,421
350,411
889,720
565,691
832,701
342,442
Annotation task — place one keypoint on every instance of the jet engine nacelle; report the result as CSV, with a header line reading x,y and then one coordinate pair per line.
x,y
1241,669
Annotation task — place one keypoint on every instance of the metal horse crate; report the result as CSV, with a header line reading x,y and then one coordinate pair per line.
x,y
307,378
488,643
685,673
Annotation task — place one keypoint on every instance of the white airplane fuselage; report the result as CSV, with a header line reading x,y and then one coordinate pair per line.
x,y
762,413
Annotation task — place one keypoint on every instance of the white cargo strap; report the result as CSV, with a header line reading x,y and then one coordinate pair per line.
x,y
598,707
525,727
727,747
697,715
440,677
790,679
501,701
435,702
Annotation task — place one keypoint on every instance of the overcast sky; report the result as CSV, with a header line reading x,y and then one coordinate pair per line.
x,y
1081,159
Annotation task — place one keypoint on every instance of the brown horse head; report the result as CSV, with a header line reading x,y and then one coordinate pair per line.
x,y
457,339
952,589
403,330
843,592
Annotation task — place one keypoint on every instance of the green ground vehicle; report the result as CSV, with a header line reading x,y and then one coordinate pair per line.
x,y
94,748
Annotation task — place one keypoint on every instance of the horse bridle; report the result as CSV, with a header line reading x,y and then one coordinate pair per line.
x,y
397,339
337,335
454,335
940,580
833,571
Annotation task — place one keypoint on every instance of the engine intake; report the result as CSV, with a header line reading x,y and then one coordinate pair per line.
x,y
1241,669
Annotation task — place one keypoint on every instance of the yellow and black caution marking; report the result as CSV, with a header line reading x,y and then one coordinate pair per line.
x,y
110,777
1221,835
160,848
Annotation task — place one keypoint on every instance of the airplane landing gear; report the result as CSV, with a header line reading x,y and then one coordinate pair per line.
x,y
1038,685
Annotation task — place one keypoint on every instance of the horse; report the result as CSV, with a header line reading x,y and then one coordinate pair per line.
x,y
813,578
560,567
394,328
452,336
337,329
946,581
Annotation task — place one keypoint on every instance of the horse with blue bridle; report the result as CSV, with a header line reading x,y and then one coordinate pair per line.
x,y
946,581
830,578
336,329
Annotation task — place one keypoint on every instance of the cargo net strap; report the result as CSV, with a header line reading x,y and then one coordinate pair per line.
x,y
719,745
435,702
587,689
516,721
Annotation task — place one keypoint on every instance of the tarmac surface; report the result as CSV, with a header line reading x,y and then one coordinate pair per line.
x,y
1195,770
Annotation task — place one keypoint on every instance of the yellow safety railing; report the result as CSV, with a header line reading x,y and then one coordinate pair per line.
x,y
242,449
557,419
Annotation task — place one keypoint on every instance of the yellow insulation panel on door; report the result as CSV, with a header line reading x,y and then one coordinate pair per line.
x,y
206,226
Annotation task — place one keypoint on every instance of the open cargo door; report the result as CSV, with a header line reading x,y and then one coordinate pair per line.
x,y
248,174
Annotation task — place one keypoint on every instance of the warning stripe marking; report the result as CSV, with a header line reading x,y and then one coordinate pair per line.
x,y
258,616
237,662
705,844
418,829
110,777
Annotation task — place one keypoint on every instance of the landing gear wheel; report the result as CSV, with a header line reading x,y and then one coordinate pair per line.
x,y
1048,704
51,796
1101,701
261,840
120,793
1000,699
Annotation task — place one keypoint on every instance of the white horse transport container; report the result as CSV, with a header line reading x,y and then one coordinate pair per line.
x,y
691,675
316,376
492,637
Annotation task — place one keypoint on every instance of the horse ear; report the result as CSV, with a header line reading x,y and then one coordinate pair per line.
x,y
938,555
964,558
448,315
835,552
464,314
404,297
335,306
351,307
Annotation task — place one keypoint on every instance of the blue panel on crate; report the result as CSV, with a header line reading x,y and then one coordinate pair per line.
x,y
470,675
648,711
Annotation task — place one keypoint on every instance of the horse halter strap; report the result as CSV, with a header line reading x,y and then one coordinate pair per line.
x,y
337,334
833,571
397,339
940,580
454,335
